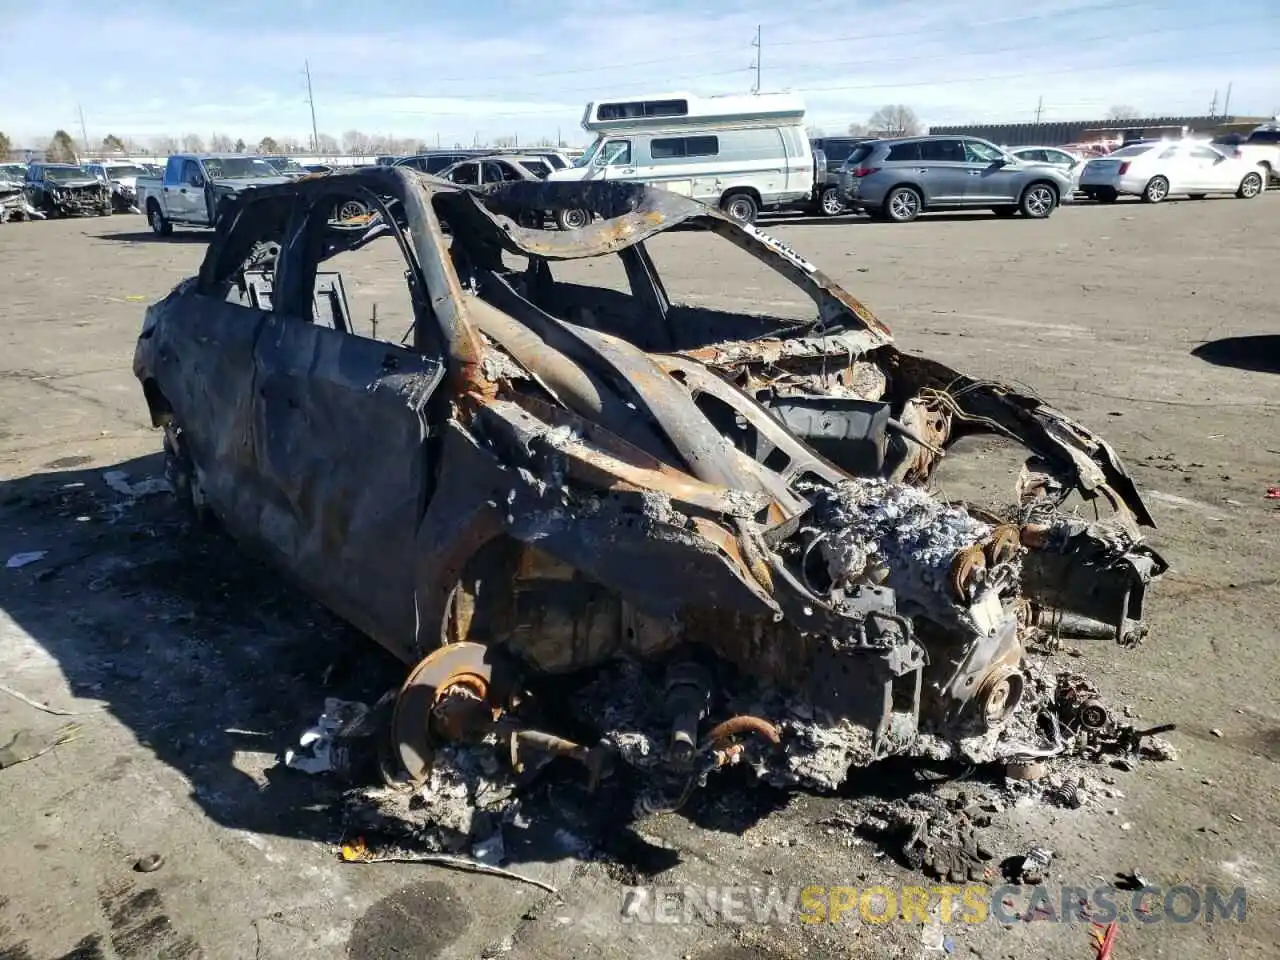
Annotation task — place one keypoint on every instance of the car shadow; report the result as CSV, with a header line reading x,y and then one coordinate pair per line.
x,y
146,236
202,651
1259,353
216,663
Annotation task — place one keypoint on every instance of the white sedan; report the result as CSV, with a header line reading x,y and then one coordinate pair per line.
x,y
1155,170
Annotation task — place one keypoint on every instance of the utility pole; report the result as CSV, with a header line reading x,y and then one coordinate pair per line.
x,y
1039,108
311,101
1226,106
759,50
84,133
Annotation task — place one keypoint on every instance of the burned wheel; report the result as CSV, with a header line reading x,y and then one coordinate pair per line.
x,y
350,210
572,219
450,695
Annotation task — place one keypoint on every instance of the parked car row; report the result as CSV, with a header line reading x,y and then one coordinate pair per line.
x,y
742,154
898,180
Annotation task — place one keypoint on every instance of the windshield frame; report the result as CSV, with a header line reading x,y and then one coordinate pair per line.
x,y
1133,150
249,172
115,170
590,153
61,174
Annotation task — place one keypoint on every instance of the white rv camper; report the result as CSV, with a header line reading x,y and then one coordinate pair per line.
x,y
743,153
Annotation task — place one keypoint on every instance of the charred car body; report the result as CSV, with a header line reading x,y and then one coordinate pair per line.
x,y
550,478
14,204
65,190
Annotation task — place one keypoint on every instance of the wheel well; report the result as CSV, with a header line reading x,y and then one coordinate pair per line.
x,y
1048,183
912,187
751,192
157,403
152,204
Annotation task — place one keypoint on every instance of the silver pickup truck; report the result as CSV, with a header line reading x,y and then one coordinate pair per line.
x,y
195,185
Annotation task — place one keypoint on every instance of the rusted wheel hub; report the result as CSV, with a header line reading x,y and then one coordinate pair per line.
x,y
447,697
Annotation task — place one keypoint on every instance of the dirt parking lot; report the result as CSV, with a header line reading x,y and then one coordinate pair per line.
x,y
190,668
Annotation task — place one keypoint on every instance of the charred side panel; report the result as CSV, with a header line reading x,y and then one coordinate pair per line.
x,y
311,444
340,435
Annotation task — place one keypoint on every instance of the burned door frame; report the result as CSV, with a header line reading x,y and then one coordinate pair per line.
x,y
338,426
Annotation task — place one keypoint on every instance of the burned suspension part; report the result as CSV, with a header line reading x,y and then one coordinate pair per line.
x,y
554,478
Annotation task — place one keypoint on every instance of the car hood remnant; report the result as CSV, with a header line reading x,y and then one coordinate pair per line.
x,y
553,480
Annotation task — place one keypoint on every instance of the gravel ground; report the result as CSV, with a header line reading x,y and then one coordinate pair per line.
x,y
191,667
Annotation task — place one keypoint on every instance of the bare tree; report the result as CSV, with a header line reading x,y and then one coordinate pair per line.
x,y
355,142
163,146
240,146
5,146
191,143
61,149
267,147
326,144
504,143
857,129
1122,112
894,120
220,143
811,132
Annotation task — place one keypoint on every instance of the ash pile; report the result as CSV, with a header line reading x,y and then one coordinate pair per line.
x,y
1064,748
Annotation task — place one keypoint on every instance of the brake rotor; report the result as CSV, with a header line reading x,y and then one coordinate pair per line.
x,y
1003,544
966,566
447,696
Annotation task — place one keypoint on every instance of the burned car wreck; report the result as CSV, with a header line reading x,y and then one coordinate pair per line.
x,y
65,190
14,204
721,517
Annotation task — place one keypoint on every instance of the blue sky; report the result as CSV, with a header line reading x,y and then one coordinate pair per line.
x,y
147,68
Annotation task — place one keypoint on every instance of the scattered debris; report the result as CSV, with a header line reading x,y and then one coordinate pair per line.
x,y
118,480
1104,939
358,852
26,745
149,864
1216,732
324,747
19,560
1034,868
19,695
1133,880
1273,493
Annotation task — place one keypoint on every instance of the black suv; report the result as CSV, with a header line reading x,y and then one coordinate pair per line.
x,y
827,199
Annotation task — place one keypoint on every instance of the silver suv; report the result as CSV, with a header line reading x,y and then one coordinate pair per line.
x,y
900,179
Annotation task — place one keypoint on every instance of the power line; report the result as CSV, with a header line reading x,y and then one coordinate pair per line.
x,y
711,52
948,81
759,56
311,101
826,66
